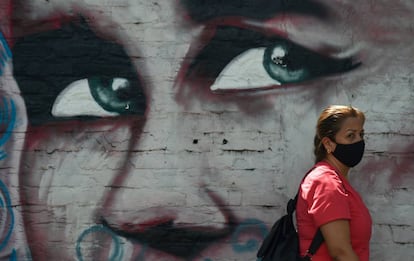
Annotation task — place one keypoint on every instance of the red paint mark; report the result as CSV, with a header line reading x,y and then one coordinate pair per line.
x,y
129,227
403,168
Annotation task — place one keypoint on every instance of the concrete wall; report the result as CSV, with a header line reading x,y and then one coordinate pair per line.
x,y
177,130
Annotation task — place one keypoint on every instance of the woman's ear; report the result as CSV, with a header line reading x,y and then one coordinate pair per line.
x,y
328,144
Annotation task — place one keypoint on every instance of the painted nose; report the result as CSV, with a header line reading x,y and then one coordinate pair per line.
x,y
182,231
181,223
161,200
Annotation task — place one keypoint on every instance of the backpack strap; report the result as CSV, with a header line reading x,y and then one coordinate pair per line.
x,y
318,237
316,243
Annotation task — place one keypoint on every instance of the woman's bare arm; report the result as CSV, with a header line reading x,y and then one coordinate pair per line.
x,y
338,240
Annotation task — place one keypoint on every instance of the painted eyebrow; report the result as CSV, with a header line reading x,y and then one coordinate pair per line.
x,y
202,11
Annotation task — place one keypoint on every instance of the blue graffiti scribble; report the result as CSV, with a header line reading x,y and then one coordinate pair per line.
x,y
7,220
248,226
117,251
13,256
7,121
5,53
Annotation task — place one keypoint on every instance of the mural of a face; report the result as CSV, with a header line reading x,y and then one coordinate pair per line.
x,y
158,130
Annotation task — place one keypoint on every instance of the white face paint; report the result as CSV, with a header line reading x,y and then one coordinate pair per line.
x,y
226,129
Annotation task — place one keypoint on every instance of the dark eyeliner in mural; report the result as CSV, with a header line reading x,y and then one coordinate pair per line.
x,y
284,61
73,61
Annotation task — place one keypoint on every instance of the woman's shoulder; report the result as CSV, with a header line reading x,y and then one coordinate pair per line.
x,y
322,168
323,173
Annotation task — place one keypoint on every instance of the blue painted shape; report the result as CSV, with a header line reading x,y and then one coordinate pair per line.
x,y
252,244
13,256
117,252
9,211
7,117
5,45
5,52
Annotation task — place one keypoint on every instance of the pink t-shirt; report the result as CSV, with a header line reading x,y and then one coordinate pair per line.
x,y
326,196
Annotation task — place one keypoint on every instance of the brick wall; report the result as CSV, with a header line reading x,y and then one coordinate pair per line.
x,y
178,130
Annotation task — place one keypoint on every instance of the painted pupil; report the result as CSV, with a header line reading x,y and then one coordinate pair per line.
x,y
114,94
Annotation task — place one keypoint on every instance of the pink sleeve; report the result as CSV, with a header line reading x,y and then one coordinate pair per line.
x,y
327,199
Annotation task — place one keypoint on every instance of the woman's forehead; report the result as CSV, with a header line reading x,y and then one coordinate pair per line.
x,y
352,124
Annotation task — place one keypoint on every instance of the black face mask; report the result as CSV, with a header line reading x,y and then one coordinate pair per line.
x,y
349,154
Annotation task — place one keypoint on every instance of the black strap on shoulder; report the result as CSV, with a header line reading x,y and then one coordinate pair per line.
x,y
318,238
316,243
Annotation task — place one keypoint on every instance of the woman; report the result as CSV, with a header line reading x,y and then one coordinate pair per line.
x,y
326,199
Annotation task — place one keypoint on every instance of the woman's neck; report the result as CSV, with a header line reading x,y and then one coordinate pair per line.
x,y
339,166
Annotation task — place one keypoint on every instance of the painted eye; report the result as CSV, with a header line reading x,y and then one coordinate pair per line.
x,y
245,71
282,67
240,59
116,95
84,77
261,67
98,96
76,100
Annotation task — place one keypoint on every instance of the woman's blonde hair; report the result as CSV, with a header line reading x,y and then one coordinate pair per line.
x,y
328,125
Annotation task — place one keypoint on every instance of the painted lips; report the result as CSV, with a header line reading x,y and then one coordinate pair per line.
x,y
184,241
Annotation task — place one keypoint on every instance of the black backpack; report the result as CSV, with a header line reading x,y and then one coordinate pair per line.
x,y
282,242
